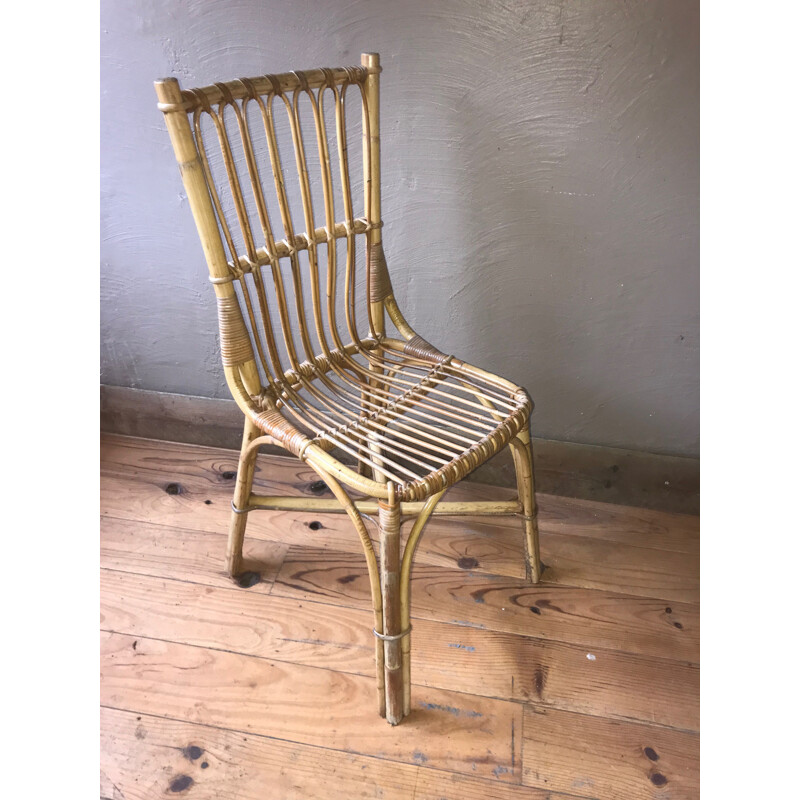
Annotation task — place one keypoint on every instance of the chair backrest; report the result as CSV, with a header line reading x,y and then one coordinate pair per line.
x,y
266,163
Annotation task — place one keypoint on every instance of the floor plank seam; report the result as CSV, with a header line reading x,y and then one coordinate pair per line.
x,y
603,654
365,608
515,700
232,588
544,532
536,640
544,584
255,734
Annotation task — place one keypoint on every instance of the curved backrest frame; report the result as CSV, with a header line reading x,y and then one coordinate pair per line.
x,y
242,250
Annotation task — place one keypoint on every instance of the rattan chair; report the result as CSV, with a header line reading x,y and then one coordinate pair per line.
x,y
312,369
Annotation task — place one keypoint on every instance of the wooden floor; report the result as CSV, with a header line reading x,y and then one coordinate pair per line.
x,y
585,686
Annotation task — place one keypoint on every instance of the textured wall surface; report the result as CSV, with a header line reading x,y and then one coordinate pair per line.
x,y
540,193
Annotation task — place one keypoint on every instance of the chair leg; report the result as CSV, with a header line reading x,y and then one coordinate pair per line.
x,y
394,676
241,497
523,462
405,593
374,576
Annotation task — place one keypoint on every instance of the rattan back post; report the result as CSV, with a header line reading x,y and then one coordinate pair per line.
x,y
309,363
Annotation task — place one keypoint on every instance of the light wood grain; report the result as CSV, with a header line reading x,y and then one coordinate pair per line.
x,y
145,756
588,617
447,656
608,759
453,731
185,554
275,682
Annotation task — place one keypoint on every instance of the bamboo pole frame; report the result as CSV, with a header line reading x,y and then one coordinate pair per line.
x,y
414,420
471,508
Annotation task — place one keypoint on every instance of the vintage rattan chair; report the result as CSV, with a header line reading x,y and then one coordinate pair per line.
x,y
392,418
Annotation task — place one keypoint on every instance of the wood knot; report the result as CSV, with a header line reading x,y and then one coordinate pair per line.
x,y
657,779
180,784
192,752
248,579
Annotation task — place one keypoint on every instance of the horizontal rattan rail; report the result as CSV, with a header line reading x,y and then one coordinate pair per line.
x,y
308,360
455,509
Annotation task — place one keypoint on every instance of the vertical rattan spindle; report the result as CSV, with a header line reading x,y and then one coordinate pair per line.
x,y
389,520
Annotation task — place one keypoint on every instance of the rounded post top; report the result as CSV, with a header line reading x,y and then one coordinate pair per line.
x,y
370,60
168,90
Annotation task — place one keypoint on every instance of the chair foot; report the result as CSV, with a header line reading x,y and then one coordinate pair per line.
x,y
533,564
233,555
397,681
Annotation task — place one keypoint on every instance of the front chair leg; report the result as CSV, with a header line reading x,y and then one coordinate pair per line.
x,y
241,498
405,593
523,462
389,522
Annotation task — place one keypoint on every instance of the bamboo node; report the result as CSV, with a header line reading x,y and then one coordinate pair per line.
x,y
242,510
168,108
396,637
224,279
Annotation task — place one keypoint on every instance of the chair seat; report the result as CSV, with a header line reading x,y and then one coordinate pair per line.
x,y
402,410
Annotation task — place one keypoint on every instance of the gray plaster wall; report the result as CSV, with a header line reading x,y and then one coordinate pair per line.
x,y
540,182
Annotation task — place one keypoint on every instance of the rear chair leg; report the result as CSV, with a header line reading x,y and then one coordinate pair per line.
x,y
523,462
241,499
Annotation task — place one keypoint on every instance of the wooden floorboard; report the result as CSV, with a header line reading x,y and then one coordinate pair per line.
x,y
185,554
583,686
450,730
146,756
446,656
587,617
608,759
